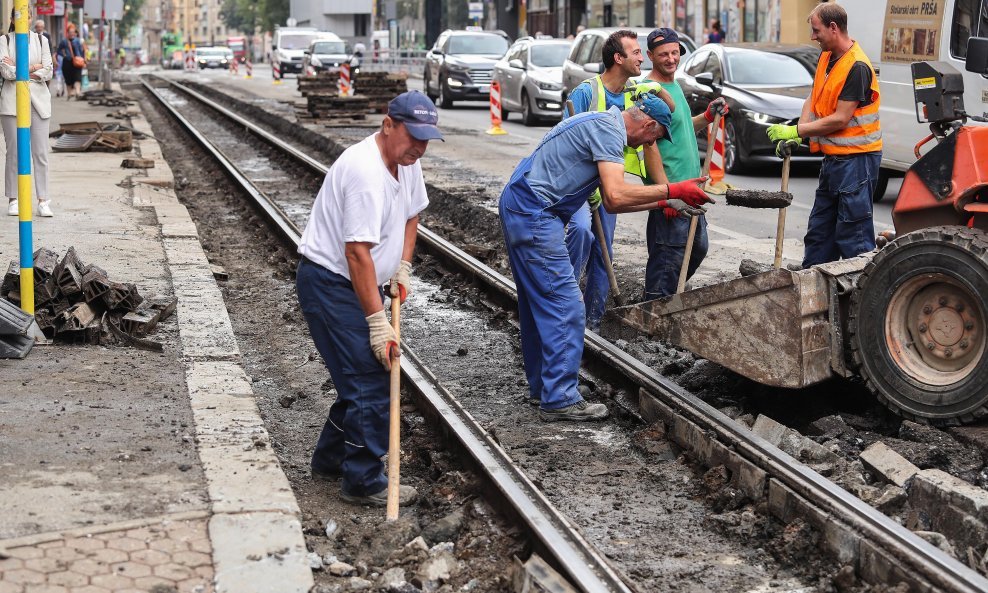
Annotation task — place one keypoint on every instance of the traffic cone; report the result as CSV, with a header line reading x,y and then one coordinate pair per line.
x,y
496,129
716,185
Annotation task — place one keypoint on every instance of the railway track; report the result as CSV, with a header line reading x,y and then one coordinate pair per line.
x,y
853,530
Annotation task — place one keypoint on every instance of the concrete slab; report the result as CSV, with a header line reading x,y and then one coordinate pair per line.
x,y
259,552
882,460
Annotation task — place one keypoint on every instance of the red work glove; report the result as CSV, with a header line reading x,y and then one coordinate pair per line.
x,y
718,105
689,192
670,213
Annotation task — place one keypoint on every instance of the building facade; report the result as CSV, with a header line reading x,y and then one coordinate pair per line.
x,y
350,19
197,21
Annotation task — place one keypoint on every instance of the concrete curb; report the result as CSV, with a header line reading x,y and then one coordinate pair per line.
x,y
254,529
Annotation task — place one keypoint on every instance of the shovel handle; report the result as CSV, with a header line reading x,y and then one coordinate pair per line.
x,y
394,432
780,231
686,255
598,231
711,140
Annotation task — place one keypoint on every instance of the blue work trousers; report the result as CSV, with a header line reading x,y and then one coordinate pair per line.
x,y
585,254
550,307
355,435
840,224
666,240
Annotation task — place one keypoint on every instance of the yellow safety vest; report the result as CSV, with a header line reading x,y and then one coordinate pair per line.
x,y
634,157
863,133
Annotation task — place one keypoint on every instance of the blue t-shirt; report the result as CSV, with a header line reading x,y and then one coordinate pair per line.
x,y
582,93
566,161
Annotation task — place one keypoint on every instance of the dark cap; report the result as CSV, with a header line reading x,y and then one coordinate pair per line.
x,y
663,36
418,113
657,109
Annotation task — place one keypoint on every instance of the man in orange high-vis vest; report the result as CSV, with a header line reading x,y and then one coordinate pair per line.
x,y
840,118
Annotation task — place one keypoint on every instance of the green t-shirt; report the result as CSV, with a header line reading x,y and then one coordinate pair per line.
x,y
680,158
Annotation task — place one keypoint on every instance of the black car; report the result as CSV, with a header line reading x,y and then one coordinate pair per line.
x,y
460,65
764,84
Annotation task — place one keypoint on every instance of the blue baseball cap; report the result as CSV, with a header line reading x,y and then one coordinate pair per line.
x,y
418,113
662,36
657,109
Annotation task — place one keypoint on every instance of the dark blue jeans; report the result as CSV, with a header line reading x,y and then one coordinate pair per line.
x,y
840,224
666,240
584,254
355,435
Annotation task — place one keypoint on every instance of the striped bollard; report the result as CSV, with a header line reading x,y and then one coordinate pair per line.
x,y
276,72
496,129
344,89
248,70
24,189
190,59
234,67
715,184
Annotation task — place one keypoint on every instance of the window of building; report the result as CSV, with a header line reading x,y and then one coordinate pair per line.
x,y
361,25
750,20
970,20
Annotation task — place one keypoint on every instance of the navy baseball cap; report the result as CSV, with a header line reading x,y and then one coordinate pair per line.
x,y
418,113
662,36
657,109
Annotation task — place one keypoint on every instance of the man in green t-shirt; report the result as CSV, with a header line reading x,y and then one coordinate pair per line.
x,y
666,233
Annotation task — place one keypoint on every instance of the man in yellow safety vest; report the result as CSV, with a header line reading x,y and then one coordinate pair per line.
x,y
840,118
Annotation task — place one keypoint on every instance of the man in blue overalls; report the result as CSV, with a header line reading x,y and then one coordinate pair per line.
x,y
576,157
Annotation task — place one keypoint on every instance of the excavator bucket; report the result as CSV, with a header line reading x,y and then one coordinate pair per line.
x,y
774,328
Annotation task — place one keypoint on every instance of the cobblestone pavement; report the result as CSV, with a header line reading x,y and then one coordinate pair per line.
x,y
161,556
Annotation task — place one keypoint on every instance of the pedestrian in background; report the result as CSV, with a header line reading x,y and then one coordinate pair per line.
x,y
39,28
361,233
73,55
40,71
666,232
716,35
840,117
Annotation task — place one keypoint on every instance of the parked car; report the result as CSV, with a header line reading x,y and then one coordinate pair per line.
x,y
325,53
213,57
763,83
584,59
287,47
460,65
530,76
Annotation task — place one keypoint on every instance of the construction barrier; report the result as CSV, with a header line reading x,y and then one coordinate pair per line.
x,y
496,129
276,72
190,58
717,159
344,88
249,70
234,67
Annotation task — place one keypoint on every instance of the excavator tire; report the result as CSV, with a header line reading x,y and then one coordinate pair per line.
x,y
917,327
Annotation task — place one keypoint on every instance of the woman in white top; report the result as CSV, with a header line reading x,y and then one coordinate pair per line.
x,y
40,69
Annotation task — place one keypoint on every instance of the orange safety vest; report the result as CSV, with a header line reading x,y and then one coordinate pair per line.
x,y
863,132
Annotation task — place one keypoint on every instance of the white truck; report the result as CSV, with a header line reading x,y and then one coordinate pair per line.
x,y
914,31
288,47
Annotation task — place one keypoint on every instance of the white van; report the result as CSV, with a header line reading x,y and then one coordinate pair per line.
x,y
915,31
288,47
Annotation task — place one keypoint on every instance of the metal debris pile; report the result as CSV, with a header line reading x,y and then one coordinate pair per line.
x,y
94,136
107,98
78,303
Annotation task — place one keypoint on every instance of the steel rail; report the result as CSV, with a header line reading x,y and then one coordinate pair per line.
x,y
901,544
556,538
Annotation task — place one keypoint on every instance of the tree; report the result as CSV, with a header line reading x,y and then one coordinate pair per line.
x,y
131,16
246,15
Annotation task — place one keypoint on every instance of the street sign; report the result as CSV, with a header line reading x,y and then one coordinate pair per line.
x,y
113,9
45,6
291,22
476,10
59,8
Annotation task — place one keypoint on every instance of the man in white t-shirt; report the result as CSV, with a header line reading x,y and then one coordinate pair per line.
x,y
361,234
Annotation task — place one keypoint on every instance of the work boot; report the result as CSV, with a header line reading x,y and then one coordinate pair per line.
x,y
581,411
406,496
326,475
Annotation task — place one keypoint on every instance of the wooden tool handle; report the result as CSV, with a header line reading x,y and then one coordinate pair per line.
x,y
598,231
711,141
394,433
780,231
686,256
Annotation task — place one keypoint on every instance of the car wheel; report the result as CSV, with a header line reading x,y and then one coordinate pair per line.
x,y
882,187
732,149
445,99
527,117
428,87
504,113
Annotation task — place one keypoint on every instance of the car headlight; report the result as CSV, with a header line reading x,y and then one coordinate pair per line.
x,y
763,119
315,62
452,67
546,85
202,60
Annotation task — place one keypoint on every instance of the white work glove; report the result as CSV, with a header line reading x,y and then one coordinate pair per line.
x,y
402,281
383,340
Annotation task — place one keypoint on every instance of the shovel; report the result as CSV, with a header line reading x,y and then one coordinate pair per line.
x,y
394,434
694,220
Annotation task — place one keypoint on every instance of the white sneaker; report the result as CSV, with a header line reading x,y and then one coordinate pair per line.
x,y
44,209
12,208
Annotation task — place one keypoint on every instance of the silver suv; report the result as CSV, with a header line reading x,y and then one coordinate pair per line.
x,y
531,79
459,66
584,59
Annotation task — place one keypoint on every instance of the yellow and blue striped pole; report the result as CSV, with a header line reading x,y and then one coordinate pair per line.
x,y
21,19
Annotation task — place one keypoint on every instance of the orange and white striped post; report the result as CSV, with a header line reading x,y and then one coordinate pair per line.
x,y
496,129
248,70
715,184
344,89
234,67
276,72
